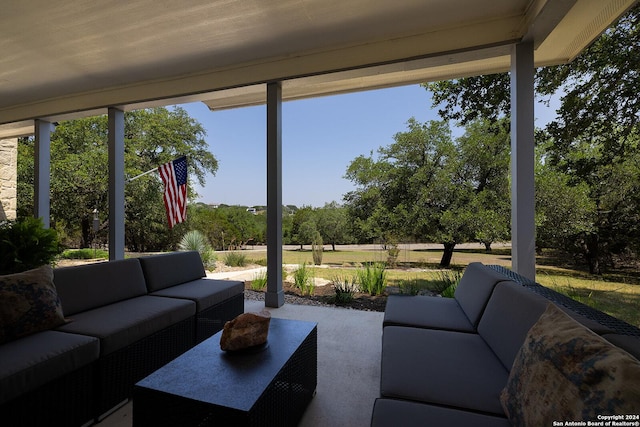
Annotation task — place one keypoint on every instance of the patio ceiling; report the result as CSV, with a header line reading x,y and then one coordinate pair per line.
x,y
74,58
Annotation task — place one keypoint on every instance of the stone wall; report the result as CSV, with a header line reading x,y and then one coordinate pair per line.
x,y
8,178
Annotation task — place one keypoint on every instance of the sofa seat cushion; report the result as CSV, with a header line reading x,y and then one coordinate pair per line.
x,y
121,324
566,372
441,367
30,303
85,287
426,312
204,292
170,269
34,360
392,413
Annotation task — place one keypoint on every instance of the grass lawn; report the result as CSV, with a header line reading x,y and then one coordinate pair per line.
x,y
617,293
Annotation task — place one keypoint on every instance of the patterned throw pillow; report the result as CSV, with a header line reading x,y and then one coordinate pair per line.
x,y
29,303
565,372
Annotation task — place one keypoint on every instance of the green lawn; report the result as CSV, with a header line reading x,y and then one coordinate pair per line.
x,y
617,294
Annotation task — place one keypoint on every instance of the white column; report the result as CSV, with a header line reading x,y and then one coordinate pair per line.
x,y
523,254
42,172
116,184
274,296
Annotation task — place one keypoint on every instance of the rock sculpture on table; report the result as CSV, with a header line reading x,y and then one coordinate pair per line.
x,y
245,331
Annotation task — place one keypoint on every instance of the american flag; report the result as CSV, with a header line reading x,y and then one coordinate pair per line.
x,y
174,177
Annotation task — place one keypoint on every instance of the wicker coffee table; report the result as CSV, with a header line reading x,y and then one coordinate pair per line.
x,y
268,386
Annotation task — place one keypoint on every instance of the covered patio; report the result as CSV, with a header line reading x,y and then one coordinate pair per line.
x,y
348,365
83,59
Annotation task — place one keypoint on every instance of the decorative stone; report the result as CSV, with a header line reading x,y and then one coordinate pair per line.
x,y
245,331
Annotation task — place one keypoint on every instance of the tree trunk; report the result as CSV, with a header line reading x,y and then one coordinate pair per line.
x,y
447,254
592,253
333,246
487,247
86,233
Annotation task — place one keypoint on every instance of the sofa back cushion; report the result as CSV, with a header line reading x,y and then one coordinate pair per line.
x,y
85,287
511,311
170,269
475,288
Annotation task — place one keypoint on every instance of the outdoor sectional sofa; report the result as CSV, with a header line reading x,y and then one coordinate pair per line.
x,y
122,320
505,351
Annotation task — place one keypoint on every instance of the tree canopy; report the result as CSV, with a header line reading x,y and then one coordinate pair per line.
x,y
428,187
589,149
79,178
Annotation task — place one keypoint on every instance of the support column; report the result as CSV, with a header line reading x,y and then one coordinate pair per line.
x,y
42,172
275,295
116,184
523,254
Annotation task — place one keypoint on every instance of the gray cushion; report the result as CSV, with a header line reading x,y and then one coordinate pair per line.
x,y
393,413
512,310
475,288
121,324
174,268
426,312
629,343
441,367
32,361
204,292
89,286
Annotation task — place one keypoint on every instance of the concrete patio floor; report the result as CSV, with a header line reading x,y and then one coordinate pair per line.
x,y
349,345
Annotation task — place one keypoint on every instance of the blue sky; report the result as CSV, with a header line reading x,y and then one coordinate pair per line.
x,y
320,137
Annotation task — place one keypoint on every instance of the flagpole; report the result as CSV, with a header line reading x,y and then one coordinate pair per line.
x,y
142,174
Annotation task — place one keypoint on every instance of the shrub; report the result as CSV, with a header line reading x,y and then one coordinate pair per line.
x,y
303,279
409,286
444,280
85,254
235,259
316,249
392,254
195,240
448,282
449,291
259,281
26,244
372,278
345,288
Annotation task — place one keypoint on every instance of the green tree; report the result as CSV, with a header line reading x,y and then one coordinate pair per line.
x,y
484,154
428,187
594,137
331,221
79,178
302,226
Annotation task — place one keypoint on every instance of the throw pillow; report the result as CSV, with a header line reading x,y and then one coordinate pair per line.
x,y
29,303
565,372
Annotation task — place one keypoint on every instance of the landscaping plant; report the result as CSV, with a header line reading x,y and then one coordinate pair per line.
x,y
409,286
234,259
259,281
316,249
303,279
195,240
372,278
26,244
345,288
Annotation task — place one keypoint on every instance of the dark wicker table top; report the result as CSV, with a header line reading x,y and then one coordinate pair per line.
x,y
233,380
